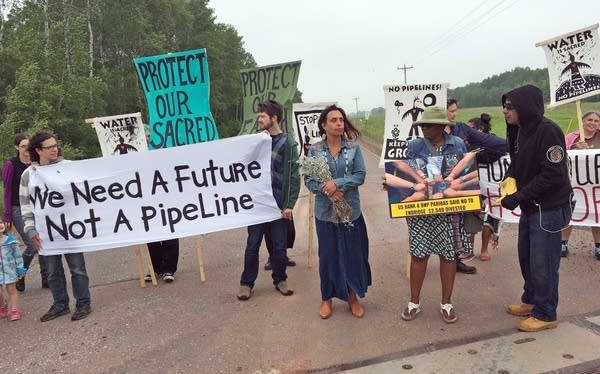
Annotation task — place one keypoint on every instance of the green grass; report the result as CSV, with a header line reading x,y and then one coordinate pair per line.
x,y
565,116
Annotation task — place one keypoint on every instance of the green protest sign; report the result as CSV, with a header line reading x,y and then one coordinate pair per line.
x,y
273,82
177,89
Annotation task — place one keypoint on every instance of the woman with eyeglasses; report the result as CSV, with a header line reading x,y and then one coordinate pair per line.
x,y
11,176
591,140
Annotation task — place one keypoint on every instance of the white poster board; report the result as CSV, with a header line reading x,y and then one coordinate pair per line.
x,y
121,134
306,129
145,197
573,65
404,105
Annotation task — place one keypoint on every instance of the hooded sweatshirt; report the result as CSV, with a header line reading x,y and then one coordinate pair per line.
x,y
539,161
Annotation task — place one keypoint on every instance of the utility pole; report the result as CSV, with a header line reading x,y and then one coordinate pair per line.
x,y
405,68
356,101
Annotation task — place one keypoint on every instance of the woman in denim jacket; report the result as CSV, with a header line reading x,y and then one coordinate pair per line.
x,y
343,246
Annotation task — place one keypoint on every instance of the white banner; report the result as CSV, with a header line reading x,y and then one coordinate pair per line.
x,y
585,180
121,134
403,106
306,129
573,65
150,196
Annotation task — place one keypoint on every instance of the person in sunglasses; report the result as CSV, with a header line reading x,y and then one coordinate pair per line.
x,y
539,167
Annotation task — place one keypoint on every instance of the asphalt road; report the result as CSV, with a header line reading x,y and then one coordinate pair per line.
x,y
188,326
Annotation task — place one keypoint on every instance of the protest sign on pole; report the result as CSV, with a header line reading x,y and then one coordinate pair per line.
x,y
404,105
306,132
136,198
177,87
120,134
264,83
573,65
306,129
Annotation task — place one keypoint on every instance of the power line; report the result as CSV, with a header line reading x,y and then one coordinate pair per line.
x,y
457,33
466,29
452,29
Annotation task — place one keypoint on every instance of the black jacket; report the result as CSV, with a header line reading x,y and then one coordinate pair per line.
x,y
539,161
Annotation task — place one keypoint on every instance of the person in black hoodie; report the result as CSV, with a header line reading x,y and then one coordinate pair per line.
x,y
539,165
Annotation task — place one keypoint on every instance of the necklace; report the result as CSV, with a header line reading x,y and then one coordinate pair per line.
x,y
335,150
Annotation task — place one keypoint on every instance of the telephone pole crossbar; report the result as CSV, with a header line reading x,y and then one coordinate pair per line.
x,y
405,68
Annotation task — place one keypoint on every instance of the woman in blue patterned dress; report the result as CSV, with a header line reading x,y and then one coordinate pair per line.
x,y
343,246
433,234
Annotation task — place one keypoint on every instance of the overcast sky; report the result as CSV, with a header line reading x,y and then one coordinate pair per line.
x,y
352,48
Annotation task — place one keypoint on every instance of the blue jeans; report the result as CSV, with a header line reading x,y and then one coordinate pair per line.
x,y
539,257
58,282
278,231
30,250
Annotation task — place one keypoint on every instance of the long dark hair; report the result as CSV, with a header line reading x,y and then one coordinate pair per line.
x,y
18,139
350,131
36,141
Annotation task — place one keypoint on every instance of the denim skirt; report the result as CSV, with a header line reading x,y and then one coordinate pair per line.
x,y
343,258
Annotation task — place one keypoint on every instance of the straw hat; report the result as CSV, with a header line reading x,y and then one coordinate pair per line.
x,y
433,115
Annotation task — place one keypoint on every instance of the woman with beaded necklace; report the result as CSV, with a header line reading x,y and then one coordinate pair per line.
x,y
343,246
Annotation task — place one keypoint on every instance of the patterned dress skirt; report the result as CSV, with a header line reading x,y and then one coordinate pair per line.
x,y
435,234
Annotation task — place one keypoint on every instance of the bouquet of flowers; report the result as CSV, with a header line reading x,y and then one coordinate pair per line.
x,y
316,168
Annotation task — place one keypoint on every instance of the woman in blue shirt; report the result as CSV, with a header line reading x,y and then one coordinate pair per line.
x,y
343,246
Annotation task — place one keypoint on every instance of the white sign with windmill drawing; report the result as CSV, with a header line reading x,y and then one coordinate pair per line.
x,y
573,65
404,105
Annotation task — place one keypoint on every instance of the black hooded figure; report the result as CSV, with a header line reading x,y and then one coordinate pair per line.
x,y
540,167
123,148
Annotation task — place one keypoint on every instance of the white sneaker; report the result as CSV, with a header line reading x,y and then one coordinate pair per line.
x,y
168,277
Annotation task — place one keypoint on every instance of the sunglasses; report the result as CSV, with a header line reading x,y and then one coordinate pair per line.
x,y
508,106
428,125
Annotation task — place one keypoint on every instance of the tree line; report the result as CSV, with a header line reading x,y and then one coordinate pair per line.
x,y
62,61
489,91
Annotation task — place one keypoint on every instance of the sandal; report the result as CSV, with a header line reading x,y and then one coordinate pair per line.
x,y
407,314
466,257
485,256
445,310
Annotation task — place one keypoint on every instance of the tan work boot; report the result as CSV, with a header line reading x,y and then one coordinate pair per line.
x,y
522,310
533,324
283,288
244,293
